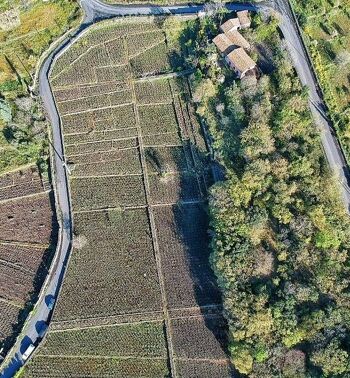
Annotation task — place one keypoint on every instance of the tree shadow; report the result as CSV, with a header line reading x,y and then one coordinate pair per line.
x,y
190,214
191,221
38,280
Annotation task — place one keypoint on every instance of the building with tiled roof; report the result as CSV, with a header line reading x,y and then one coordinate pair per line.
x,y
244,19
240,62
237,39
231,24
223,43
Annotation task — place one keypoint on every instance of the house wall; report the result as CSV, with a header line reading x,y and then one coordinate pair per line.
x,y
233,67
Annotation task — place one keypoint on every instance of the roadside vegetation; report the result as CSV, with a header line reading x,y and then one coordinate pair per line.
x,y
280,232
326,27
27,28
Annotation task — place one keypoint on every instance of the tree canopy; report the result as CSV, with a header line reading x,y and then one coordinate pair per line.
x,y
281,233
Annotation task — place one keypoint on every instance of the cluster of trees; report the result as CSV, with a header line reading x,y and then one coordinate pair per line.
x,y
23,136
281,235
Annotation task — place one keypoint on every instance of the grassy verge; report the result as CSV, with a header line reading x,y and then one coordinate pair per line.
x,y
326,27
26,31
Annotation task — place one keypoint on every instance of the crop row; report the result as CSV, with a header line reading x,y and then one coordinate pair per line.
x,y
116,51
153,91
119,29
75,75
111,73
123,162
74,92
100,136
191,132
94,102
15,284
28,258
145,41
80,149
21,176
184,254
100,147
153,61
183,118
8,318
158,140
173,187
91,193
204,369
154,316
21,189
96,367
27,219
145,339
157,119
163,160
213,310
180,87
197,132
100,120
114,265
207,333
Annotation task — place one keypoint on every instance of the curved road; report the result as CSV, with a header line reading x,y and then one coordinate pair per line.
x,y
302,64
96,10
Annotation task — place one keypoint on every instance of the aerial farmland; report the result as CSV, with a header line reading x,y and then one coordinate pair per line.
x,y
28,231
139,298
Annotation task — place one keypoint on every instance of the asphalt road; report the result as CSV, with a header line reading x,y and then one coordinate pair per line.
x,y
95,10
302,65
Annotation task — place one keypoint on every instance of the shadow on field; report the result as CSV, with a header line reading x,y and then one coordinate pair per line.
x,y
38,280
191,220
190,215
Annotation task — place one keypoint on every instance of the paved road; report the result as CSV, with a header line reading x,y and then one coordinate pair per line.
x,y
95,10
301,62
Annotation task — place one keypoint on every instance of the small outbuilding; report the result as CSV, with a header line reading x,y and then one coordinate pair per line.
x,y
231,24
244,19
240,62
237,39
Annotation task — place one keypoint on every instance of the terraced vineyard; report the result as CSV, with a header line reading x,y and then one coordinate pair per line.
x,y
139,298
27,235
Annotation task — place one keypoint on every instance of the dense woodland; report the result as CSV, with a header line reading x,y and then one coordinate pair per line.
x,y
280,233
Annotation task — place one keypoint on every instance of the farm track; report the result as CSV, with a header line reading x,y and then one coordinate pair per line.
x,y
95,11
